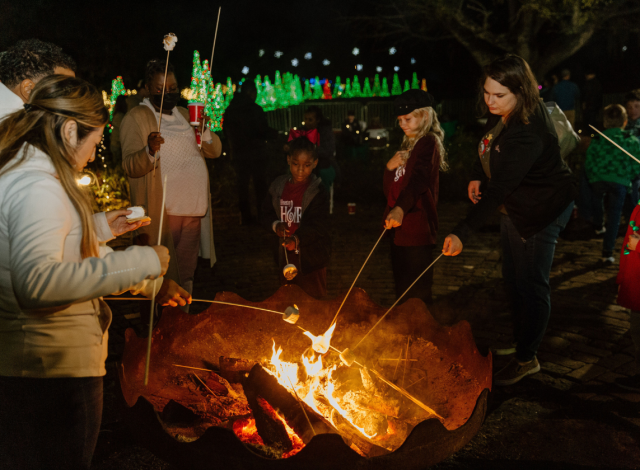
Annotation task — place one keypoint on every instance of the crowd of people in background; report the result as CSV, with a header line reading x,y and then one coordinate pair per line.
x,y
53,339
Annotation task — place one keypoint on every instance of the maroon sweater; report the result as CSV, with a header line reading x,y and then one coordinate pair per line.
x,y
416,193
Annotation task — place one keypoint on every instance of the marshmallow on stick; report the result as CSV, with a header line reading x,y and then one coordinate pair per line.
x,y
169,42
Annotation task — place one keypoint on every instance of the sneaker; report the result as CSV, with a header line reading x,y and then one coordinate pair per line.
x,y
629,383
601,231
511,349
514,372
609,260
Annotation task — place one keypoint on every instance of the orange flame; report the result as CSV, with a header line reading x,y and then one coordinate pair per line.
x,y
321,343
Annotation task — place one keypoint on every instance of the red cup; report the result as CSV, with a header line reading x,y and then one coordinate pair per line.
x,y
352,208
195,113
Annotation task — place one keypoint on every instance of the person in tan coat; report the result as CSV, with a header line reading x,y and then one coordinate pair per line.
x,y
187,228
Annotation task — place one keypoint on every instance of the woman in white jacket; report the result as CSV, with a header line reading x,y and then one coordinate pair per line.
x,y
53,321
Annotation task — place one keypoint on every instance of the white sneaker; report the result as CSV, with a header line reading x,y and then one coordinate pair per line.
x,y
601,231
609,260
504,351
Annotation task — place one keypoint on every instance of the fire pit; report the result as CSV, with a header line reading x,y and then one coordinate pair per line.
x,y
242,388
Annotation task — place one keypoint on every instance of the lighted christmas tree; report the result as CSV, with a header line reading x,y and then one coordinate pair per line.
x,y
297,96
269,94
228,96
326,90
282,101
415,83
406,86
317,89
376,85
366,90
198,86
215,106
396,89
423,87
337,90
384,92
356,92
347,90
117,89
307,95
286,89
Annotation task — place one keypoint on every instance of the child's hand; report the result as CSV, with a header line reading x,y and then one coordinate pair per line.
x,y
396,160
281,229
633,241
290,243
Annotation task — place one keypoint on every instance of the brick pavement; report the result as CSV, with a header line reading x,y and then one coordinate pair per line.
x,y
586,346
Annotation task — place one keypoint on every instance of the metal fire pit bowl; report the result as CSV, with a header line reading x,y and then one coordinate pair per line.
x,y
455,377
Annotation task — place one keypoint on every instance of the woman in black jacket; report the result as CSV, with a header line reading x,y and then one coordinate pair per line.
x,y
521,173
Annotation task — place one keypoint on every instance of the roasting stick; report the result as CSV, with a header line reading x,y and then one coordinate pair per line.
x,y
205,385
354,281
155,281
194,368
301,405
215,36
169,44
613,143
204,300
404,371
396,302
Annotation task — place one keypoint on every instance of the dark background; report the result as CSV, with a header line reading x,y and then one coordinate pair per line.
x,y
118,38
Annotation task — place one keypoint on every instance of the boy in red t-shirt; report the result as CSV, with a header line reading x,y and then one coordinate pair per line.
x,y
629,292
300,205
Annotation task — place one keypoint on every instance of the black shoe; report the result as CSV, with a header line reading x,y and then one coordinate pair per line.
x,y
629,383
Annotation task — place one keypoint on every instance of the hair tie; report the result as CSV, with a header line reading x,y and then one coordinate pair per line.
x,y
28,107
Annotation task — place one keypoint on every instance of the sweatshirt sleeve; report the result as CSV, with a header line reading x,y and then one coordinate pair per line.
x,y
518,152
314,224
39,221
135,159
419,182
103,231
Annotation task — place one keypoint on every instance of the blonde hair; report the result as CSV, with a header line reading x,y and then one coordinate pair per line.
x,y
614,116
54,101
429,125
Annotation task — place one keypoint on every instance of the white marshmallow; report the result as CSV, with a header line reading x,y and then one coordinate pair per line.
x,y
137,212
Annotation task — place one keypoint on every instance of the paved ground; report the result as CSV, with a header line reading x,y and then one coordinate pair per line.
x,y
569,415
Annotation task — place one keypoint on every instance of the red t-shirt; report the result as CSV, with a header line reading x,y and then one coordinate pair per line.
x,y
291,205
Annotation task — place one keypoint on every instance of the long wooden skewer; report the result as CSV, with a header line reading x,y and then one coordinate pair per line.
x,y
301,405
205,385
613,143
354,281
155,281
194,368
204,300
215,36
164,84
396,302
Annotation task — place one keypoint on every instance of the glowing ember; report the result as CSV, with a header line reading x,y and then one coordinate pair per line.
x,y
321,343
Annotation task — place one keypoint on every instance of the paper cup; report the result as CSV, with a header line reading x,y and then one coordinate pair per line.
x,y
352,208
195,113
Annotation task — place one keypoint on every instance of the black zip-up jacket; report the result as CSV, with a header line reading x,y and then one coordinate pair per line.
x,y
313,231
528,176
246,128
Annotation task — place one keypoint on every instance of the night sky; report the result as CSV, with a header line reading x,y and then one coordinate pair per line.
x,y
118,38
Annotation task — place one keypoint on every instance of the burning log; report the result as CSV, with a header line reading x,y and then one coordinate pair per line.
x,y
235,370
270,428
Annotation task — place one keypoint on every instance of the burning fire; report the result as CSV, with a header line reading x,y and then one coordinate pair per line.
x,y
317,384
321,343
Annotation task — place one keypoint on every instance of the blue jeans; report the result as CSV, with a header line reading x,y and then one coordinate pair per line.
x,y
616,195
49,423
526,266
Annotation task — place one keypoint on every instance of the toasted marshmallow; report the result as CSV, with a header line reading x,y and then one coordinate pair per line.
x,y
137,212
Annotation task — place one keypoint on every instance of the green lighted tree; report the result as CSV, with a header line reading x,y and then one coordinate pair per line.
x,y
396,89
384,92
366,89
258,82
406,86
229,94
356,92
297,96
269,95
307,91
376,86
198,86
347,90
337,89
117,89
415,83
317,89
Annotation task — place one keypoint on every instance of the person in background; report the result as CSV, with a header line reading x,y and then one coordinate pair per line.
x,y
296,210
246,129
522,175
53,321
629,294
610,171
327,168
119,110
173,152
351,131
134,100
632,106
591,99
566,94
411,185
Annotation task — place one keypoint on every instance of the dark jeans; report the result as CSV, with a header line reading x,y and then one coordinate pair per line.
x,y
245,170
632,198
49,423
526,266
408,262
616,194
